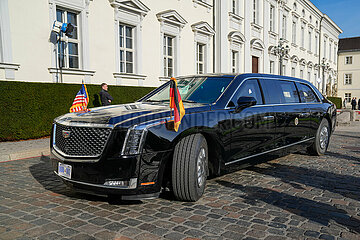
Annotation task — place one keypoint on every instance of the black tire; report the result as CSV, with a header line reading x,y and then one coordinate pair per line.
x,y
322,138
188,158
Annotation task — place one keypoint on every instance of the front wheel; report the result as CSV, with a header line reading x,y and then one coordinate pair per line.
x,y
190,168
322,138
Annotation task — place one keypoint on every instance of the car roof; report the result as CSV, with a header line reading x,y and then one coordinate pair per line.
x,y
248,75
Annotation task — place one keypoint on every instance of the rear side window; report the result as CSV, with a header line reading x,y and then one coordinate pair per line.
x,y
250,88
289,92
277,92
307,95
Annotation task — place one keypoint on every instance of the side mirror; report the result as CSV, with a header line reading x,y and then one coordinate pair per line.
x,y
244,102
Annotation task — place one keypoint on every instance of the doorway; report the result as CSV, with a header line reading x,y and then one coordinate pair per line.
x,y
255,64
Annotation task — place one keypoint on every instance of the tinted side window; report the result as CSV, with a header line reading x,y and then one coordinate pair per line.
x,y
271,91
289,92
277,91
250,88
307,95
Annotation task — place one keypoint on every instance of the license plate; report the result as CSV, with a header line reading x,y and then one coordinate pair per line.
x,y
64,170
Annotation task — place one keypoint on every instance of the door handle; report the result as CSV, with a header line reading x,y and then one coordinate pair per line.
x,y
268,117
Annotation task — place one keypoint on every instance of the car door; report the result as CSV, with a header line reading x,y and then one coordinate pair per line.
x,y
253,127
314,106
291,123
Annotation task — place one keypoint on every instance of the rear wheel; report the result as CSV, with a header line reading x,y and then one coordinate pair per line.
x,y
190,168
322,138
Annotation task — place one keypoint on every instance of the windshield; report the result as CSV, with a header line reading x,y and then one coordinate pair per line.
x,y
195,89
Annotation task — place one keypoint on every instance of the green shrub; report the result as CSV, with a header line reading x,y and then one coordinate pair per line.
x,y
27,110
337,101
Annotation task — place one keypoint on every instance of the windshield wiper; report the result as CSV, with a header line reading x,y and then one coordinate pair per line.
x,y
189,101
149,100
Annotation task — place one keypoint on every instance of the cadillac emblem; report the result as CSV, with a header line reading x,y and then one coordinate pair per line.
x,y
66,134
296,122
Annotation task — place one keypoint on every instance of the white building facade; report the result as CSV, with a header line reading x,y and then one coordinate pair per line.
x,y
120,42
144,42
248,30
349,69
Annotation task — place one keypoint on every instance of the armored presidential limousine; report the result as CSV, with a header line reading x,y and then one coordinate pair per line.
x,y
129,152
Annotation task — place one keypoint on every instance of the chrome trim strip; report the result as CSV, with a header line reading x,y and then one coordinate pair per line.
x,y
69,156
282,104
133,186
275,149
57,154
83,124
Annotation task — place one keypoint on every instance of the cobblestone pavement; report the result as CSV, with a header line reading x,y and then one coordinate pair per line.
x,y
292,197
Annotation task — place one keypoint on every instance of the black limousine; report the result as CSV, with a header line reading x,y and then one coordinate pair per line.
x,y
129,151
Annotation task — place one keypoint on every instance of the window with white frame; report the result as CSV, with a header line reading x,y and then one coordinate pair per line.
x,y
255,11
234,61
302,36
200,58
284,28
293,71
272,18
309,76
330,51
310,40
68,49
348,97
348,79
335,55
316,43
171,23
325,42
127,51
168,46
348,60
284,69
293,39
301,74
315,77
272,67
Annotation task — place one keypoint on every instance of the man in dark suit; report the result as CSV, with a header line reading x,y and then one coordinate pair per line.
x,y
353,103
105,97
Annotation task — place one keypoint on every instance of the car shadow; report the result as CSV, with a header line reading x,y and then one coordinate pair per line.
x,y
44,174
343,156
315,211
349,186
345,135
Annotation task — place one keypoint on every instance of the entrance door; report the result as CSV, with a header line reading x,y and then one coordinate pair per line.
x,y
255,64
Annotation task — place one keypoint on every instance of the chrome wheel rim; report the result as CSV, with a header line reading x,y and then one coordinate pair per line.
x,y
324,137
200,167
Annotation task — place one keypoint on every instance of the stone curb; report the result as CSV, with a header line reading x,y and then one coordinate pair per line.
x,y
26,154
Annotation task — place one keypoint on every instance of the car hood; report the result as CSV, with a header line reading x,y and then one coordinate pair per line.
x,y
125,115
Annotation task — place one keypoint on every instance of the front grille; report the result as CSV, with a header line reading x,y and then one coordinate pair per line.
x,y
81,141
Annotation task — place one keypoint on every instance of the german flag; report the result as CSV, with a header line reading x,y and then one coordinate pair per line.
x,y
176,103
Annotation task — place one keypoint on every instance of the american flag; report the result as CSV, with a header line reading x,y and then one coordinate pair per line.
x,y
81,101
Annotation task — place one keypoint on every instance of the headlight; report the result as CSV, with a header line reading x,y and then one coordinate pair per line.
x,y
133,141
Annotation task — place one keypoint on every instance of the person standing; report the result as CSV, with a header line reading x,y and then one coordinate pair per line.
x,y
359,104
105,97
353,103
344,103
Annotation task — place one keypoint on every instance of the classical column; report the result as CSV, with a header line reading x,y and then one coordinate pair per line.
x,y
247,32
